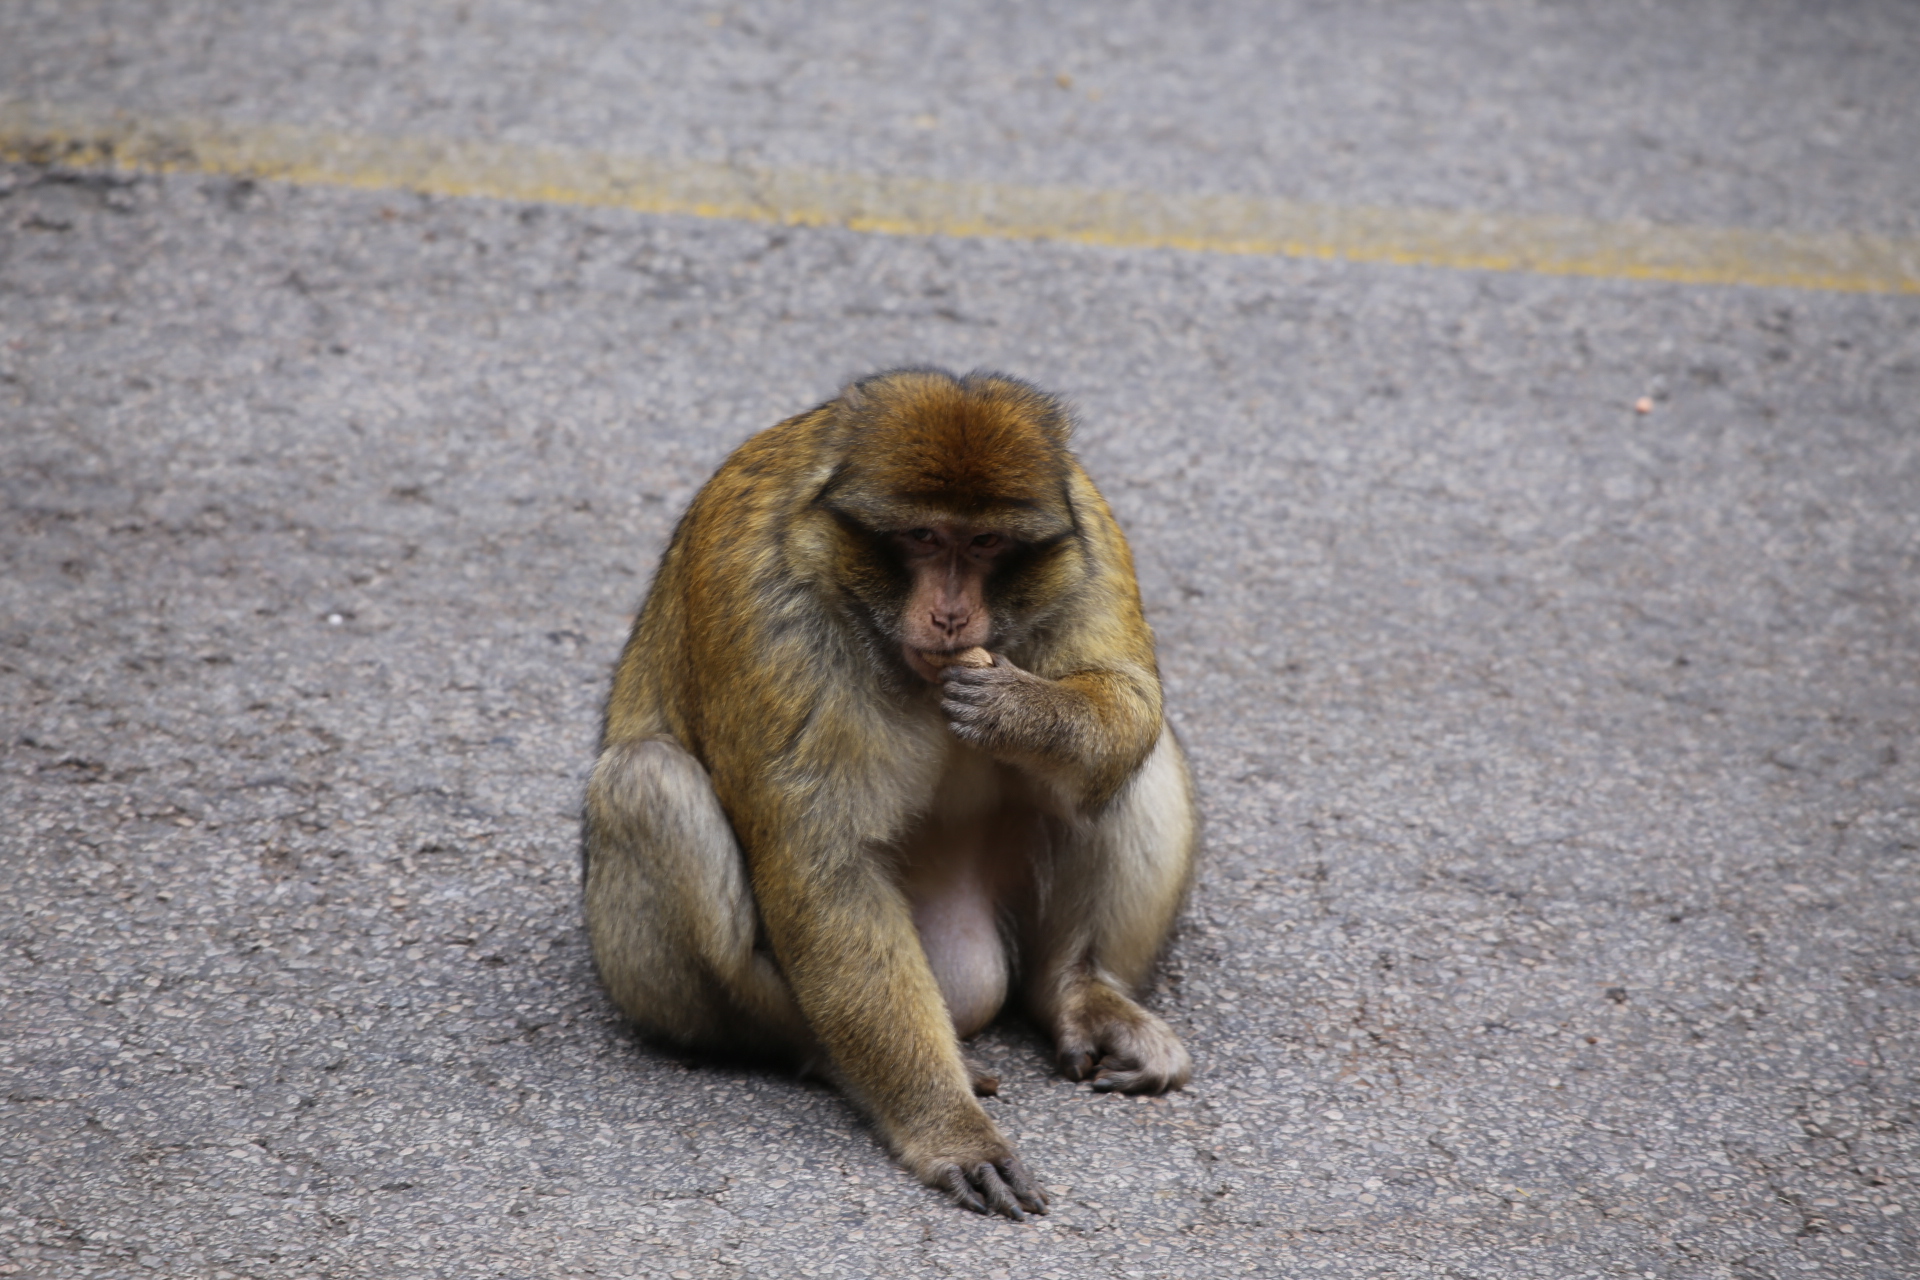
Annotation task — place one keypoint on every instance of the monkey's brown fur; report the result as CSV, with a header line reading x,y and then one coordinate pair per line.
x,y
802,842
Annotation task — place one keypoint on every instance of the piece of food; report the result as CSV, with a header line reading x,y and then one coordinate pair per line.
x,y
974,657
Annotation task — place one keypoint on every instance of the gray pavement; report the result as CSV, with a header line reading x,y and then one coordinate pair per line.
x,y
1560,914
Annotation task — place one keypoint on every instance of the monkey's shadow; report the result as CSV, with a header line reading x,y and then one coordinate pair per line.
x,y
1013,1047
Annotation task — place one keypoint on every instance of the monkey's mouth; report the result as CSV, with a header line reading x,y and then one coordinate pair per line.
x,y
929,663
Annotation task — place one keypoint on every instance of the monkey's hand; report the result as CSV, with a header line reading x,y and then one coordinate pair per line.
x,y
989,1178
1004,710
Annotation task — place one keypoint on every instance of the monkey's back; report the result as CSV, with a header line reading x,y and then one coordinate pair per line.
x,y
692,642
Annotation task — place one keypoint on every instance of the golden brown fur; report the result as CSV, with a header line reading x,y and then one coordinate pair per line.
x,y
805,839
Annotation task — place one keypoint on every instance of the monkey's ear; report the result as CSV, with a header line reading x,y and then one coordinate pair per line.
x,y
1057,419
853,397
870,391
855,404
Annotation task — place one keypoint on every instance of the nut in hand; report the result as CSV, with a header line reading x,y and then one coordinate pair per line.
x,y
974,657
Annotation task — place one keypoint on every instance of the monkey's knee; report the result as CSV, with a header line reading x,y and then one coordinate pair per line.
x,y
670,914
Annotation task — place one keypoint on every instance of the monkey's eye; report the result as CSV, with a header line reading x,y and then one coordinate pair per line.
x,y
987,541
920,535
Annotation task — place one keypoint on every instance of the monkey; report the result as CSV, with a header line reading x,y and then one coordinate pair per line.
x,y
886,746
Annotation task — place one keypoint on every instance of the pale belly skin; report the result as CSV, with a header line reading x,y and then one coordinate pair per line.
x,y
968,869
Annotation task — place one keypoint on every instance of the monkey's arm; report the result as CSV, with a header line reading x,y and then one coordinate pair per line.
x,y
1088,731
845,938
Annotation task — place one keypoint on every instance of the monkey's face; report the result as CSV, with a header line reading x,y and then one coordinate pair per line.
x,y
950,501
948,566
936,583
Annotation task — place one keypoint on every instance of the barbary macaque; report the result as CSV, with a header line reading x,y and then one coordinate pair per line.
x,y
886,741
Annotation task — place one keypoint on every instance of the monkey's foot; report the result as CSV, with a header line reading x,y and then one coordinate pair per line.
x,y
1120,1047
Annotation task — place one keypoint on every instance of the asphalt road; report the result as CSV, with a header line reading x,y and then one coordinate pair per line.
x,y
1560,913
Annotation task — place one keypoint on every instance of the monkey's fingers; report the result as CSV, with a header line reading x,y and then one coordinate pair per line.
x,y
955,1184
971,724
985,1085
1008,1188
1022,1184
966,691
999,1196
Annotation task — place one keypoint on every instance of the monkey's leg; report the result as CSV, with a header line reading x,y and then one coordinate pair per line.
x,y
1116,885
670,914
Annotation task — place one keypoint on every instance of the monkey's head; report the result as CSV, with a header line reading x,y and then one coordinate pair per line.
x,y
952,506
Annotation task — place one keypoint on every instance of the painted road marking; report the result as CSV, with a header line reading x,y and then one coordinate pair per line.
x,y
892,205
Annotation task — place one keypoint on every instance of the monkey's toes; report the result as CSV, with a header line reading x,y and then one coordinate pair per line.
x,y
1129,1078
1155,1070
1076,1064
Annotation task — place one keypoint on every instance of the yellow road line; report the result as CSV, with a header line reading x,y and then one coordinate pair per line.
x,y
927,207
